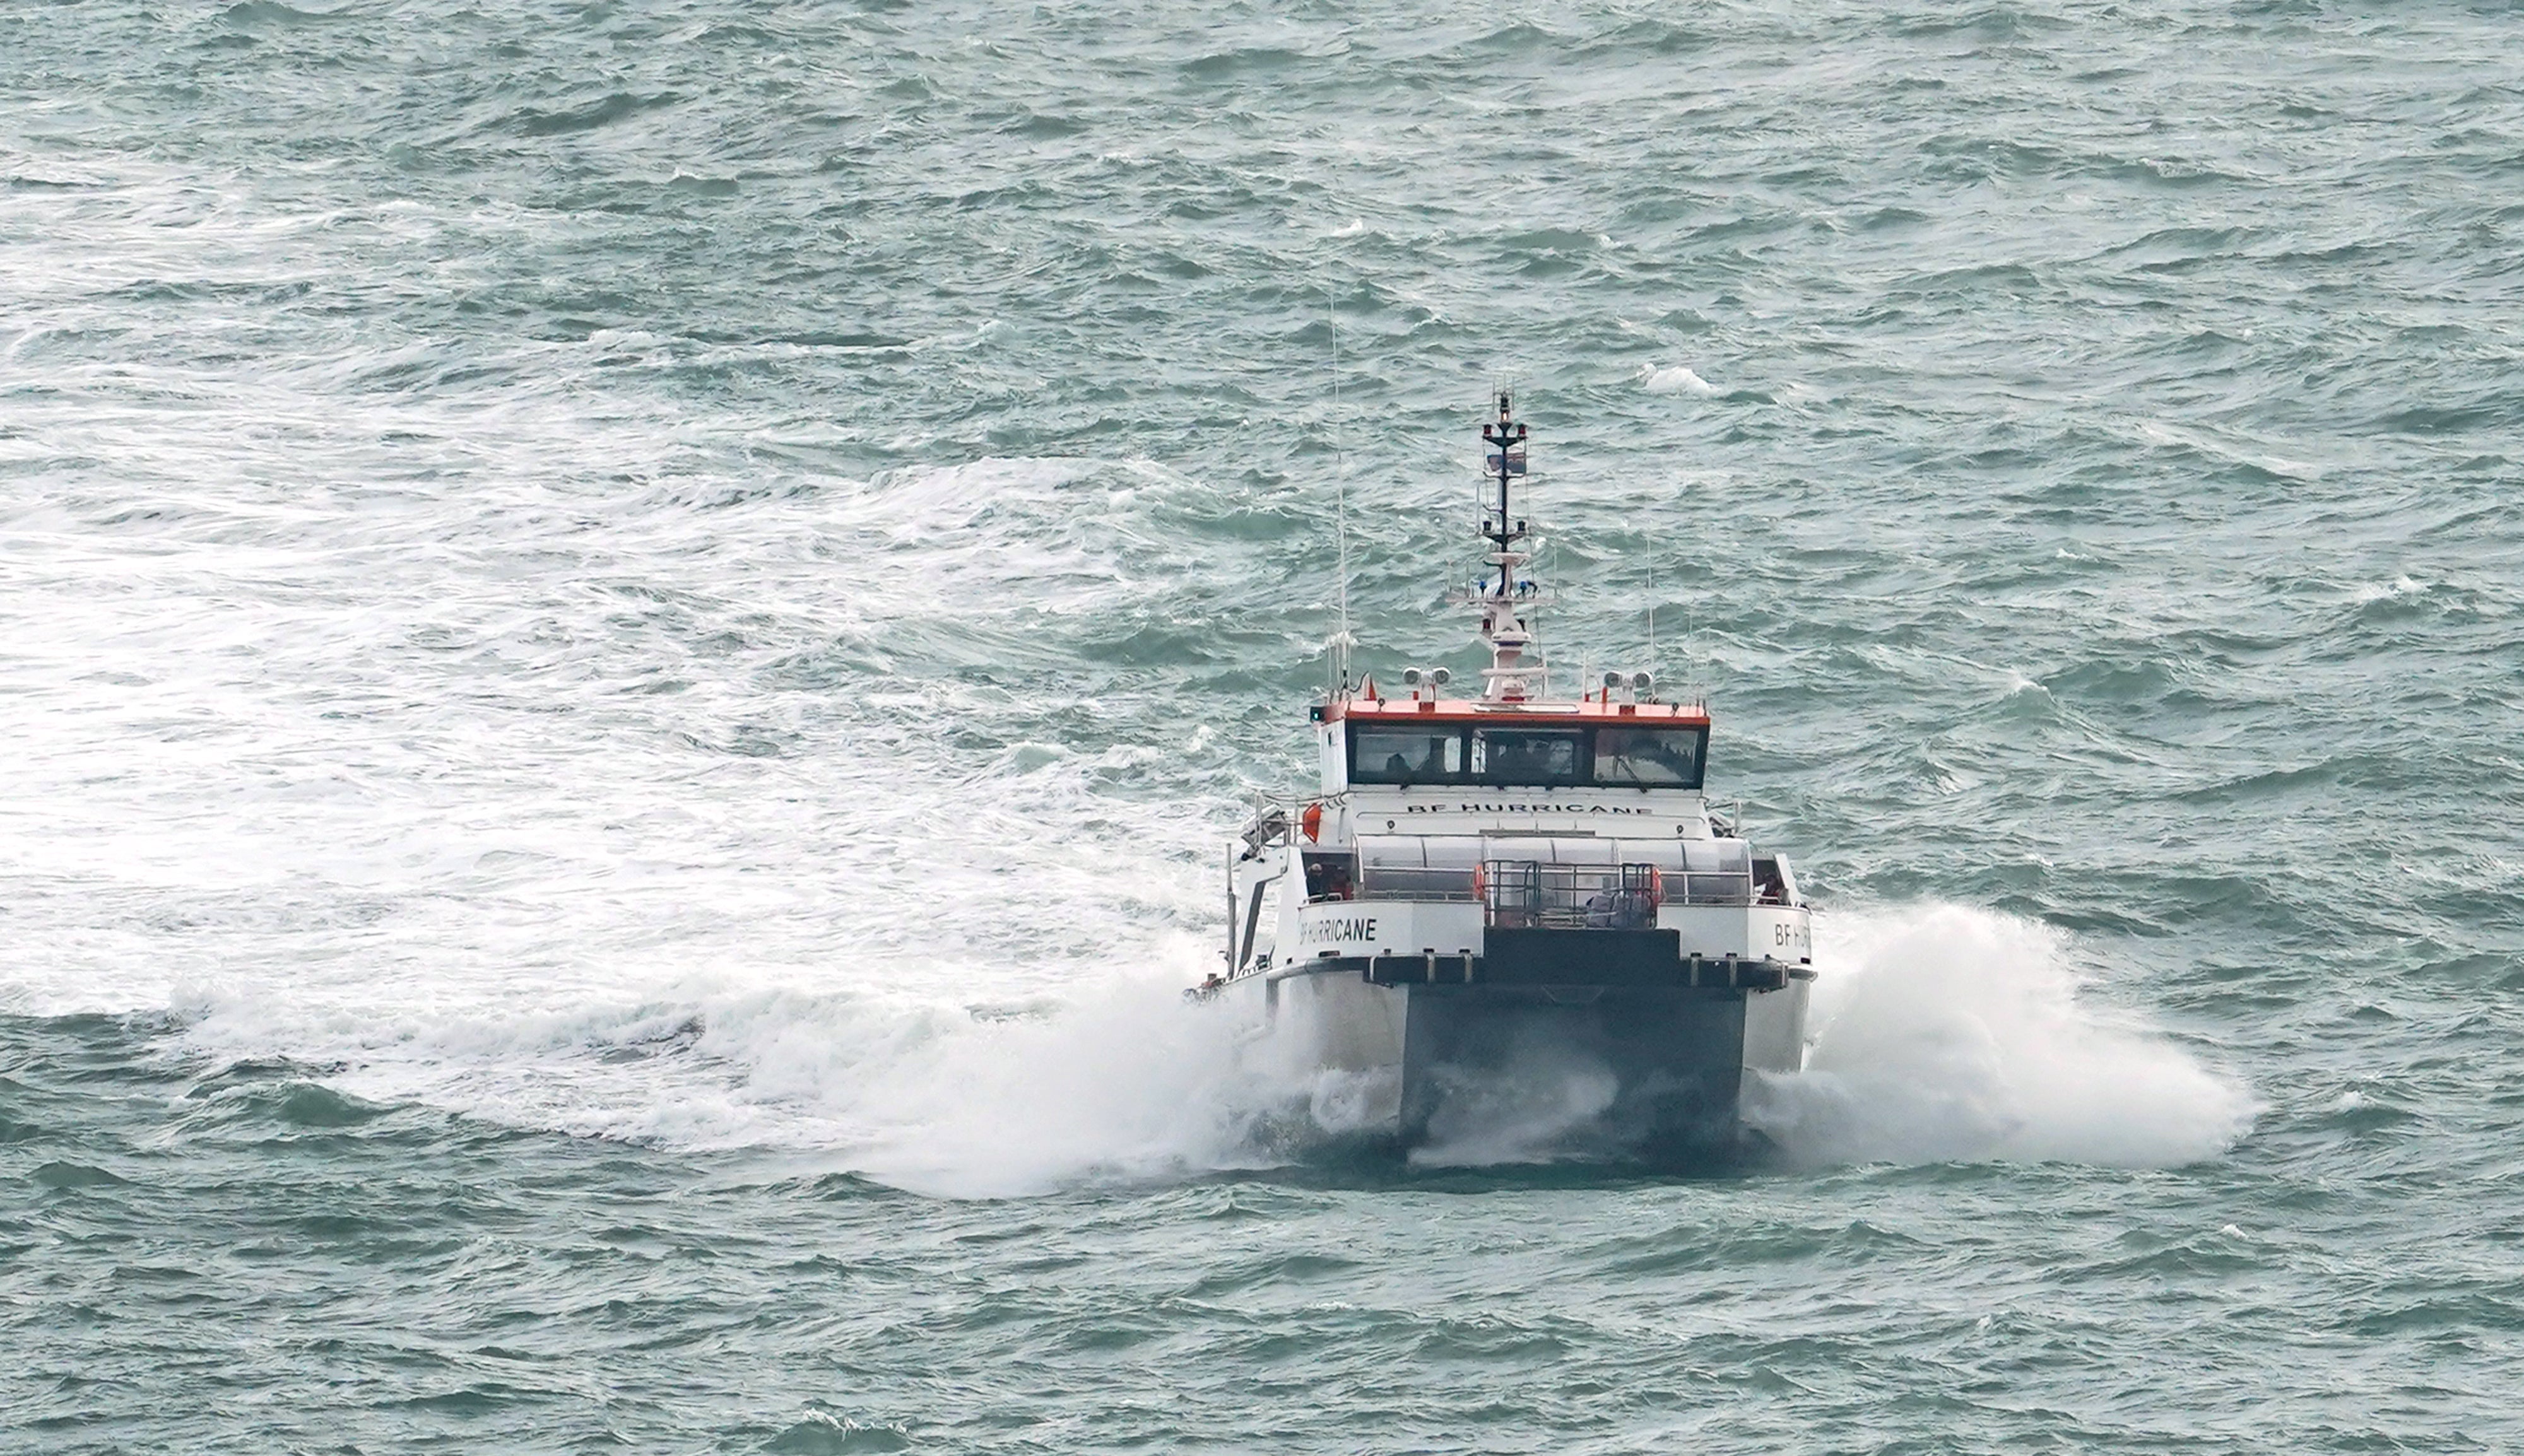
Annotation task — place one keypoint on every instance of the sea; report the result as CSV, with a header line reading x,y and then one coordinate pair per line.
x,y
631,632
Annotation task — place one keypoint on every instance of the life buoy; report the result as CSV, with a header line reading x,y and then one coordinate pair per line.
x,y
1312,821
1656,886
1481,884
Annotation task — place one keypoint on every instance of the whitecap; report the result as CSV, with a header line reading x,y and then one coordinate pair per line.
x,y
1679,380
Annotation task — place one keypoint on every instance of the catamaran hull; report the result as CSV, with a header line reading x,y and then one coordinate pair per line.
x,y
1506,1072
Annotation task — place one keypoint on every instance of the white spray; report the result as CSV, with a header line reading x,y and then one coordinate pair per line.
x,y
1949,1033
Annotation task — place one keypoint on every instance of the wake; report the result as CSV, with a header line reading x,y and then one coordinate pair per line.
x,y
1940,1034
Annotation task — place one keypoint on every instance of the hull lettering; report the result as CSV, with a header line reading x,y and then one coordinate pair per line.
x,y
1350,928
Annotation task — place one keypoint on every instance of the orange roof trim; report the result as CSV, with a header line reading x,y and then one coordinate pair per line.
x,y
1523,714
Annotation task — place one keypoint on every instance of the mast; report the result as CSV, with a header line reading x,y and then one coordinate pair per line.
x,y
1512,676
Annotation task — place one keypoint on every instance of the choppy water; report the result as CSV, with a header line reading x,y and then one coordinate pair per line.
x,y
627,632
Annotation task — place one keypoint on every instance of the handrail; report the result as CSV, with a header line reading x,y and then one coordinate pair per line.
x,y
1573,883
1529,894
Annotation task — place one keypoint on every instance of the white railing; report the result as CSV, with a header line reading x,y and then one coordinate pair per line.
x,y
1525,893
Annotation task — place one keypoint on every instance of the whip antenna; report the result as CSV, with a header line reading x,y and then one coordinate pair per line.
x,y
1340,503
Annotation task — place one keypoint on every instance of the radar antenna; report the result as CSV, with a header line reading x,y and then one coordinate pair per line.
x,y
1517,672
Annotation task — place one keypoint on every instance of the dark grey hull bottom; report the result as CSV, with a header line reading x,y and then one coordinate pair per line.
x,y
1629,1073
1529,1072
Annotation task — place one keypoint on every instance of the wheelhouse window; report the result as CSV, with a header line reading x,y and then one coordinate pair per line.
x,y
1535,757
1406,756
1649,757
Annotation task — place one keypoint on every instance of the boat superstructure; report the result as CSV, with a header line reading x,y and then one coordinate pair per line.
x,y
1518,909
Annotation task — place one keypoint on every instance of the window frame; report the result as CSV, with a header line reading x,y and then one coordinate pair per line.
x,y
1699,755
1419,732
1581,763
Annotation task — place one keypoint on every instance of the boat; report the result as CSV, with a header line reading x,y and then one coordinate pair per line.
x,y
1511,920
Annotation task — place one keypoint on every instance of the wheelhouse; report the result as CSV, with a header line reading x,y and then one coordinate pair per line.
x,y
1591,745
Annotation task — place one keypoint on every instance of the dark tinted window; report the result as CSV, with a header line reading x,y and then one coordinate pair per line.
x,y
1405,755
1525,755
1649,757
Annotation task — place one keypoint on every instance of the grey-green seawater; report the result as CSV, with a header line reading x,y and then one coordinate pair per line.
x,y
627,632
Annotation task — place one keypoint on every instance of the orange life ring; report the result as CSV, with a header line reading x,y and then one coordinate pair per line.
x,y
1480,882
1312,821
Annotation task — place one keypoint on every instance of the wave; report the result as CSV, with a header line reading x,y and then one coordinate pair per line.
x,y
1116,1079
1678,379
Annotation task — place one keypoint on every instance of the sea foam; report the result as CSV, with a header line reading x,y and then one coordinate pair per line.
x,y
1943,1033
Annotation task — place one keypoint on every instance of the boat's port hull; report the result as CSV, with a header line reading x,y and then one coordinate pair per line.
x,y
1635,1062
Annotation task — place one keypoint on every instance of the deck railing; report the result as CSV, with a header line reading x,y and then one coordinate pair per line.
x,y
1524,893
1531,892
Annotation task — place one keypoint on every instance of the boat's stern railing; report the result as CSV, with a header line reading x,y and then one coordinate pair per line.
x,y
1530,895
